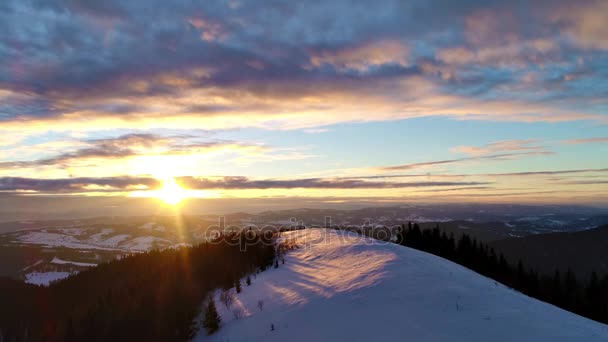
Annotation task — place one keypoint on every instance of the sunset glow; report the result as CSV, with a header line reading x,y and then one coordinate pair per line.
x,y
171,193
497,102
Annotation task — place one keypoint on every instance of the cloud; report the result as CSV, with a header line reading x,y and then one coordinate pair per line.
x,y
231,183
210,30
126,183
592,182
501,156
81,184
500,146
546,173
584,24
458,189
132,145
587,140
519,54
316,130
428,175
362,62
364,57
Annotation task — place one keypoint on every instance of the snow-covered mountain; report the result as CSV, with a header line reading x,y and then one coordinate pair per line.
x,y
339,286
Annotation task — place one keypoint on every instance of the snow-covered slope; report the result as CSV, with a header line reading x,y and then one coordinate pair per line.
x,y
339,286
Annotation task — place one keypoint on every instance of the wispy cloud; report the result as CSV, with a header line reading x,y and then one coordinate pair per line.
x,y
310,183
501,146
502,156
587,140
134,144
82,184
126,183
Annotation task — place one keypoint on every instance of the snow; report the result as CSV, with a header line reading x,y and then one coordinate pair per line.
x,y
153,226
95,238
341,286
145,243
55,240
72,231
45,278
115,240
100,241
58,261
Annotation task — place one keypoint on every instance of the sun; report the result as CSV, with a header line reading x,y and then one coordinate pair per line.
x,y
171,193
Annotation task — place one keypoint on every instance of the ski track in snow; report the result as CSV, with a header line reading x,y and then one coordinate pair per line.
x,y
339,286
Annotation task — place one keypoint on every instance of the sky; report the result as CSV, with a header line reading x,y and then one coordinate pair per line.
x,y
388,101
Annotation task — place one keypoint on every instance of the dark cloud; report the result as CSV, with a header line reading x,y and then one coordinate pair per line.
x,y
230,183
80,51
92,184
80,184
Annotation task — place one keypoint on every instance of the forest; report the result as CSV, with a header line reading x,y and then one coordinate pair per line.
x,y
167,294
153,296
563,289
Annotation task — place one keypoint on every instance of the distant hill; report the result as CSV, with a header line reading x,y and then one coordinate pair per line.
x,y
582,252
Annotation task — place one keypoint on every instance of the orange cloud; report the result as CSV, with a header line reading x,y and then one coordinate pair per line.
x,y
585,24
362,58
500,146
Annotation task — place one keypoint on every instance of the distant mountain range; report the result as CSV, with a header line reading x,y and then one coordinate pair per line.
x,y
29,246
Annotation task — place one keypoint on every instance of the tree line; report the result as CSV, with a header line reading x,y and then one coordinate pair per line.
x,y
562,289
153,296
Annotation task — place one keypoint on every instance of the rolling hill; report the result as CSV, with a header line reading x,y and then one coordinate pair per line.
x,y
341,286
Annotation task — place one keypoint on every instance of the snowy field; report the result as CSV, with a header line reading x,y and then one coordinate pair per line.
x,y
105,239
339,286
45,278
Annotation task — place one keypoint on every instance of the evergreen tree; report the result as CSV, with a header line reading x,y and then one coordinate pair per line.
x,y
556,289
589,299
237,286
248,281
212,318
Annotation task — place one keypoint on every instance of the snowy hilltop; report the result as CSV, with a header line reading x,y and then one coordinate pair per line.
x,y
341,286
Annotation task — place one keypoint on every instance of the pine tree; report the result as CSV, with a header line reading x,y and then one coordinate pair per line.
x,y
248,281
237,286
212,318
